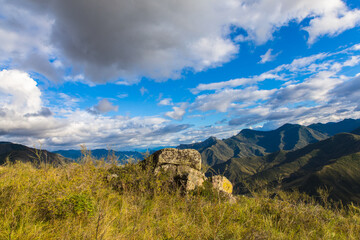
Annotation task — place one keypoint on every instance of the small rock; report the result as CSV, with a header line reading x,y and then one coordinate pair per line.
x,y
112,176
221,183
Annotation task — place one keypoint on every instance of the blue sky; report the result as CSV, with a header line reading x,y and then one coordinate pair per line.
x,y
142,74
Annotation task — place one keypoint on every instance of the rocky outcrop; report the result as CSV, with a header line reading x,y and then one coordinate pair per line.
x,y
172,156
184,168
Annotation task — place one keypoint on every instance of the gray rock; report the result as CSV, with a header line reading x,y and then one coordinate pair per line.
x,y
186,157
183,168
186,177
221,183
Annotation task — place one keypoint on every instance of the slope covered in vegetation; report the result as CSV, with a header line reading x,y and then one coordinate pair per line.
x,y
249,143
333,163
96,200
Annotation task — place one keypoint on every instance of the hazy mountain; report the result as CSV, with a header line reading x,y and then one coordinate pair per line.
x,y
15,152
334,163
331,128
122,156
255,143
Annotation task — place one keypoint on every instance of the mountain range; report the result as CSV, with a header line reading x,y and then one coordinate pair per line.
x,y
249,143
291,157
333,164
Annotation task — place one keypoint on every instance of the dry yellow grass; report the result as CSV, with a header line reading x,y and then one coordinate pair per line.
x,y
76,201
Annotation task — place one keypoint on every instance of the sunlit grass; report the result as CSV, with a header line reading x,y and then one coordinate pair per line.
x,y
96,200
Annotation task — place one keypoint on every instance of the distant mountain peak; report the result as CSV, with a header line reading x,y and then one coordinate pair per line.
x,y
211,139
332,128
287,126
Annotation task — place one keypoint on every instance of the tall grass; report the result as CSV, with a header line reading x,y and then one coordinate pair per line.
x,y
96,200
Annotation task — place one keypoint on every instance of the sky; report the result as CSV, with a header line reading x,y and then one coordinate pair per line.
x,y
139,74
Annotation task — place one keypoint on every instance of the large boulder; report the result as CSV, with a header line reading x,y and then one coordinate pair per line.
x,y
186,157
182,166
184,176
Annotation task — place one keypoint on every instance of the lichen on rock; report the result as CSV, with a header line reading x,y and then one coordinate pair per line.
x,y
221,183
185,157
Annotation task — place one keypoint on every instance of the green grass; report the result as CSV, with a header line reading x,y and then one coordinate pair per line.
x,y
88,201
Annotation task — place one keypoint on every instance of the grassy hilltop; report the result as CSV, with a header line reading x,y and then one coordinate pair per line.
x,y
85,201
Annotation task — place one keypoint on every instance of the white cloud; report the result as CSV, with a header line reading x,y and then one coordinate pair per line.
x,y
178,112
123,95
302,64
25,119
326,94
234,82
356,47
315,88
67,101
222,100
262,18
355,60
333,23
143,91
268,57
19,92
166,102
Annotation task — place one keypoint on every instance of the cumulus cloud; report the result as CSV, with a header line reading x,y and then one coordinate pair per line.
x,y
44,112
178,112
118,40
103,106
165,102
25,119
19,92
335,21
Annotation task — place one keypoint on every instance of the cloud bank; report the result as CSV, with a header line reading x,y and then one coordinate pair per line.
x,y
119,40
325,94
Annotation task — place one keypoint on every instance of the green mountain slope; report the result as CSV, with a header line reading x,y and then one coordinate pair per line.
x,y
333,163
212,150
16,152
250,143
288,137
256,143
